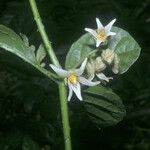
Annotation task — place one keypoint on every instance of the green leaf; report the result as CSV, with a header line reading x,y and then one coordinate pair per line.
x,y
126,47
11,42
40,54
25,39
104,107
79,51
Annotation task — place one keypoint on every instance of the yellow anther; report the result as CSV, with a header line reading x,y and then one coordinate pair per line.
x,y
73,79
102,36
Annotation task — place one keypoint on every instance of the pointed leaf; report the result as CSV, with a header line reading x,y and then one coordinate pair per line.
x,y
40,54
25,39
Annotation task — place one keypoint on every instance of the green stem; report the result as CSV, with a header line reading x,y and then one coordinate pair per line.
x,y
50,75
64,114
62,89
43,33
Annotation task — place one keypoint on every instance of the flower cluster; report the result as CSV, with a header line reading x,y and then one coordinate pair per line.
x,y
73,78
100,63
108,57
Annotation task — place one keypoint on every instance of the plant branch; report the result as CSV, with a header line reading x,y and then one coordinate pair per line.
x,y
50,75
62,89
43,33
64,114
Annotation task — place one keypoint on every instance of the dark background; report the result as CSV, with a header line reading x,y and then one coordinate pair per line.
x,y
29,105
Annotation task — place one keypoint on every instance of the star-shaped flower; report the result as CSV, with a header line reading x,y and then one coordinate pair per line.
x,y
101,33
74,78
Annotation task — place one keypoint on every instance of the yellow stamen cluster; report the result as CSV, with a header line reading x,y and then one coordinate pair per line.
x,y
73,79
102,36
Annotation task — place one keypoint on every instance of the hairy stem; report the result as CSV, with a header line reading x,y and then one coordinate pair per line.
x,y
62,89
64,114
44,36
50,75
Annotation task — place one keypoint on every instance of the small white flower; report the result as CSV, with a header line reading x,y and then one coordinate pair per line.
x,y
101,33
74,78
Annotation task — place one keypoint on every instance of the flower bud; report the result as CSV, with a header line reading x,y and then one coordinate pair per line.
x,y
99,65
90,69
115,68
108,56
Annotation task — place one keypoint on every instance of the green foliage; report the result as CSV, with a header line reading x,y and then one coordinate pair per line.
x,y
126,47
79,51
41,54
69,18
104,107
11,42
122,43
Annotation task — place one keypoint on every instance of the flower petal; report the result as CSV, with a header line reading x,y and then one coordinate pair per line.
x,y
99,24
77,90
82,68
93,32
70,92
111,33
87,82
98,42
109,26
91,77
103,77
61,72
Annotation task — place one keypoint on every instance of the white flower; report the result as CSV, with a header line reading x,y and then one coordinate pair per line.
x,y
74,78
101,33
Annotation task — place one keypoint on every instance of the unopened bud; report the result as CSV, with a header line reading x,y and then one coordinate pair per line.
x,y
108,56
90,69
99,65
115,68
